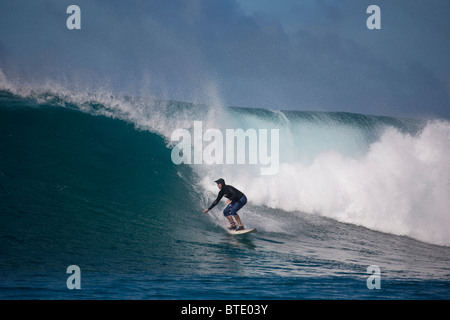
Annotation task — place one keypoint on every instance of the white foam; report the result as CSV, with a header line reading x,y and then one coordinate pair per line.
x,y
400,186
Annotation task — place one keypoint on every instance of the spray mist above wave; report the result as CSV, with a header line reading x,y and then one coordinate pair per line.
x,y
151,114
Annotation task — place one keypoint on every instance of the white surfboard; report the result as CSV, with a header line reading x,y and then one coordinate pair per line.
x,y
241,231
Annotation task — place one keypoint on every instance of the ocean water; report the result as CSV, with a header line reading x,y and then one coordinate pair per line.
x,y
87,179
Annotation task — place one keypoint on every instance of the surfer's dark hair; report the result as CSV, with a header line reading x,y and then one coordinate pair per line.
x,y
221,181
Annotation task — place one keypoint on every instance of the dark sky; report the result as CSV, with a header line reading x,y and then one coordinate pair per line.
x,y
283,54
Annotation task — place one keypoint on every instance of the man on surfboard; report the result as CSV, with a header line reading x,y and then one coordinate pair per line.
x,y
236,200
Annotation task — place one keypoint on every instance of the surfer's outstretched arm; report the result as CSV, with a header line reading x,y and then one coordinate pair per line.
x,y
219,197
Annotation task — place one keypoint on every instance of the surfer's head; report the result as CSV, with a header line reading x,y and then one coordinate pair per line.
x,y
220,183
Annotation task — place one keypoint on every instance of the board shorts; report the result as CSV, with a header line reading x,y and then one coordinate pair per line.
x,y
234,207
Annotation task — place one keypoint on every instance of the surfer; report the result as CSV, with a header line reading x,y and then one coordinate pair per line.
x,y
236,200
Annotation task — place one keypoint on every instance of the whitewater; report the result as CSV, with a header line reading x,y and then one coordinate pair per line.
x,y
87,178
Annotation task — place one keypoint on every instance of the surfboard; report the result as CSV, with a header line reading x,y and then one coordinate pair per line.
x,y
241,231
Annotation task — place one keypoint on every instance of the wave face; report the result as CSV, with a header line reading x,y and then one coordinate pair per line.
x,y
89,174
386,174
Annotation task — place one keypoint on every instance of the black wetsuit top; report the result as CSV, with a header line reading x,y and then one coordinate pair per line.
x,y
229,192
